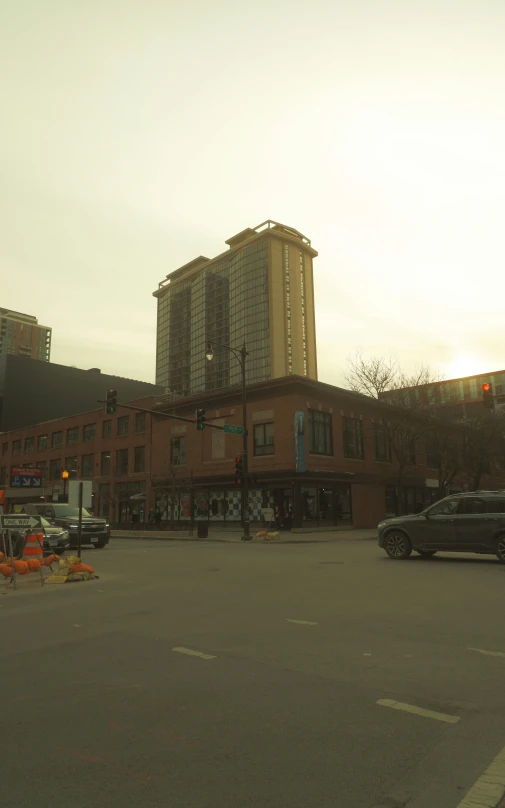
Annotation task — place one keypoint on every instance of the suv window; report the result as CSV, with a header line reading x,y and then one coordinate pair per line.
x,y
482,505
474,505
496,506
445,507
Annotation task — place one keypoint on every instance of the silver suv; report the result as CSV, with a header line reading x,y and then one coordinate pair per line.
x,y
463,523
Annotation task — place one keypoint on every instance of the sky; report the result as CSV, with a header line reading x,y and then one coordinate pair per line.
x,y
139,134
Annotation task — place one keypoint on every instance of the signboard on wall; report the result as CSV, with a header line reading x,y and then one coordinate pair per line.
x,y
25,477
299,431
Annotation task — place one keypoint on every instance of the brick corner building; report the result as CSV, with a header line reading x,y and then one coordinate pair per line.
x,y
317,451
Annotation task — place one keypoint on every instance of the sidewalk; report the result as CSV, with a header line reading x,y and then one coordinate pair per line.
x,y
234,536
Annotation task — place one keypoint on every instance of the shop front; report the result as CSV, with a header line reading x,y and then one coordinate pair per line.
x,y
325,505
409,499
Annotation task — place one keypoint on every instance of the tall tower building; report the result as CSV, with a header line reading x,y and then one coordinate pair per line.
x,y
21,334
260,291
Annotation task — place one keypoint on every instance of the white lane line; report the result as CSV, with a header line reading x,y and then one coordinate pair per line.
x,y
412,708
301,622
190,652
488,653
490,786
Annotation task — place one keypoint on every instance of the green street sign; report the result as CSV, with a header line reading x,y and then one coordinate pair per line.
x,y
231,429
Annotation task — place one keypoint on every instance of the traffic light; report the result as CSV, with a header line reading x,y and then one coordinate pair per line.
x,y
111,402
239,470
487,396
200,419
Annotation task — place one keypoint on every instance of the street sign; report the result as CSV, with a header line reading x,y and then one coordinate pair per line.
x,y
19,521
25,478
232,429
73,493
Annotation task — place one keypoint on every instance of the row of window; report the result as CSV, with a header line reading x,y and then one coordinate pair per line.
x,y
321,438
263,444
88,435
124,465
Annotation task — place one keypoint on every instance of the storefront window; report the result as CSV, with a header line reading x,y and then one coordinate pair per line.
x,y
326,514
309,505
343,510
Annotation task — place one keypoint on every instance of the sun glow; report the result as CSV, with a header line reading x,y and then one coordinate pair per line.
x,y
464,365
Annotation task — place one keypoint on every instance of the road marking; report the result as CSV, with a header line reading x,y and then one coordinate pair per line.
x,y
412,708
301,622
190,652
490,786
488,653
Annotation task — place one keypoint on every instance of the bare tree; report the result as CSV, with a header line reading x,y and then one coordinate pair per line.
x,y
444,440
483,446
172,486
373,376
383,379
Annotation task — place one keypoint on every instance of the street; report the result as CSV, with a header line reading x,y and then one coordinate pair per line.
x,y
218,674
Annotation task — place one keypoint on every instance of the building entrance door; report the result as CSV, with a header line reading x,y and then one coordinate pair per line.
x,y
283,507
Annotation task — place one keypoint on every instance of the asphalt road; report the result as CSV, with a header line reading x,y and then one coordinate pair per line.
x,y
99,708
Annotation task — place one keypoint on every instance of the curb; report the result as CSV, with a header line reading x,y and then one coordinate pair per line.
x,y
333,540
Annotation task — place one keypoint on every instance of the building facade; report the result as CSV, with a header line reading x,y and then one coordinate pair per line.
x,y
317,452
259,292
21,335
461,396
33,391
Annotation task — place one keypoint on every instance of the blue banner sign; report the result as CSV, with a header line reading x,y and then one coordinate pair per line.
x,y
300,441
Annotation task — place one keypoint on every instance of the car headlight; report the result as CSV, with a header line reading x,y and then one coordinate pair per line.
x,y
107,524
381,524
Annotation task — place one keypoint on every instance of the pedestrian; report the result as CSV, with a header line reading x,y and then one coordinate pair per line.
x,y
289,519
277,512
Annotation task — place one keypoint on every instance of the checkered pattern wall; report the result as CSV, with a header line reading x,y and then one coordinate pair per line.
x,y
216,501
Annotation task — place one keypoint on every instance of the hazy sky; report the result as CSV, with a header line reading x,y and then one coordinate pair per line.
x,y
138,135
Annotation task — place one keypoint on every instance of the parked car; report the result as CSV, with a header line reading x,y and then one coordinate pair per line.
x,y
95,531
55,539
472,522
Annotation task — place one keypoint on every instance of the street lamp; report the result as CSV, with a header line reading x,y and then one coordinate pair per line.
x,y
64,477
241,356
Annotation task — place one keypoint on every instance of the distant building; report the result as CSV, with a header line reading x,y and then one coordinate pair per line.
x,y
33,391
317,452
457,396
259,292
21,335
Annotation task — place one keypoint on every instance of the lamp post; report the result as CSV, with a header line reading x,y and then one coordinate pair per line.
x,y
64,477
241,355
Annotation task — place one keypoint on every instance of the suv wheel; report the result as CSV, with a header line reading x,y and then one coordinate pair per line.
x,y
397,544
500,548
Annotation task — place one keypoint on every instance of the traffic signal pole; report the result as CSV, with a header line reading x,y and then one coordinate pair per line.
x,y
245,450
164,415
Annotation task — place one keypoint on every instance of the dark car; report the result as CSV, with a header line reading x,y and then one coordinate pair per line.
x,y
95,530
473,522
55,539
